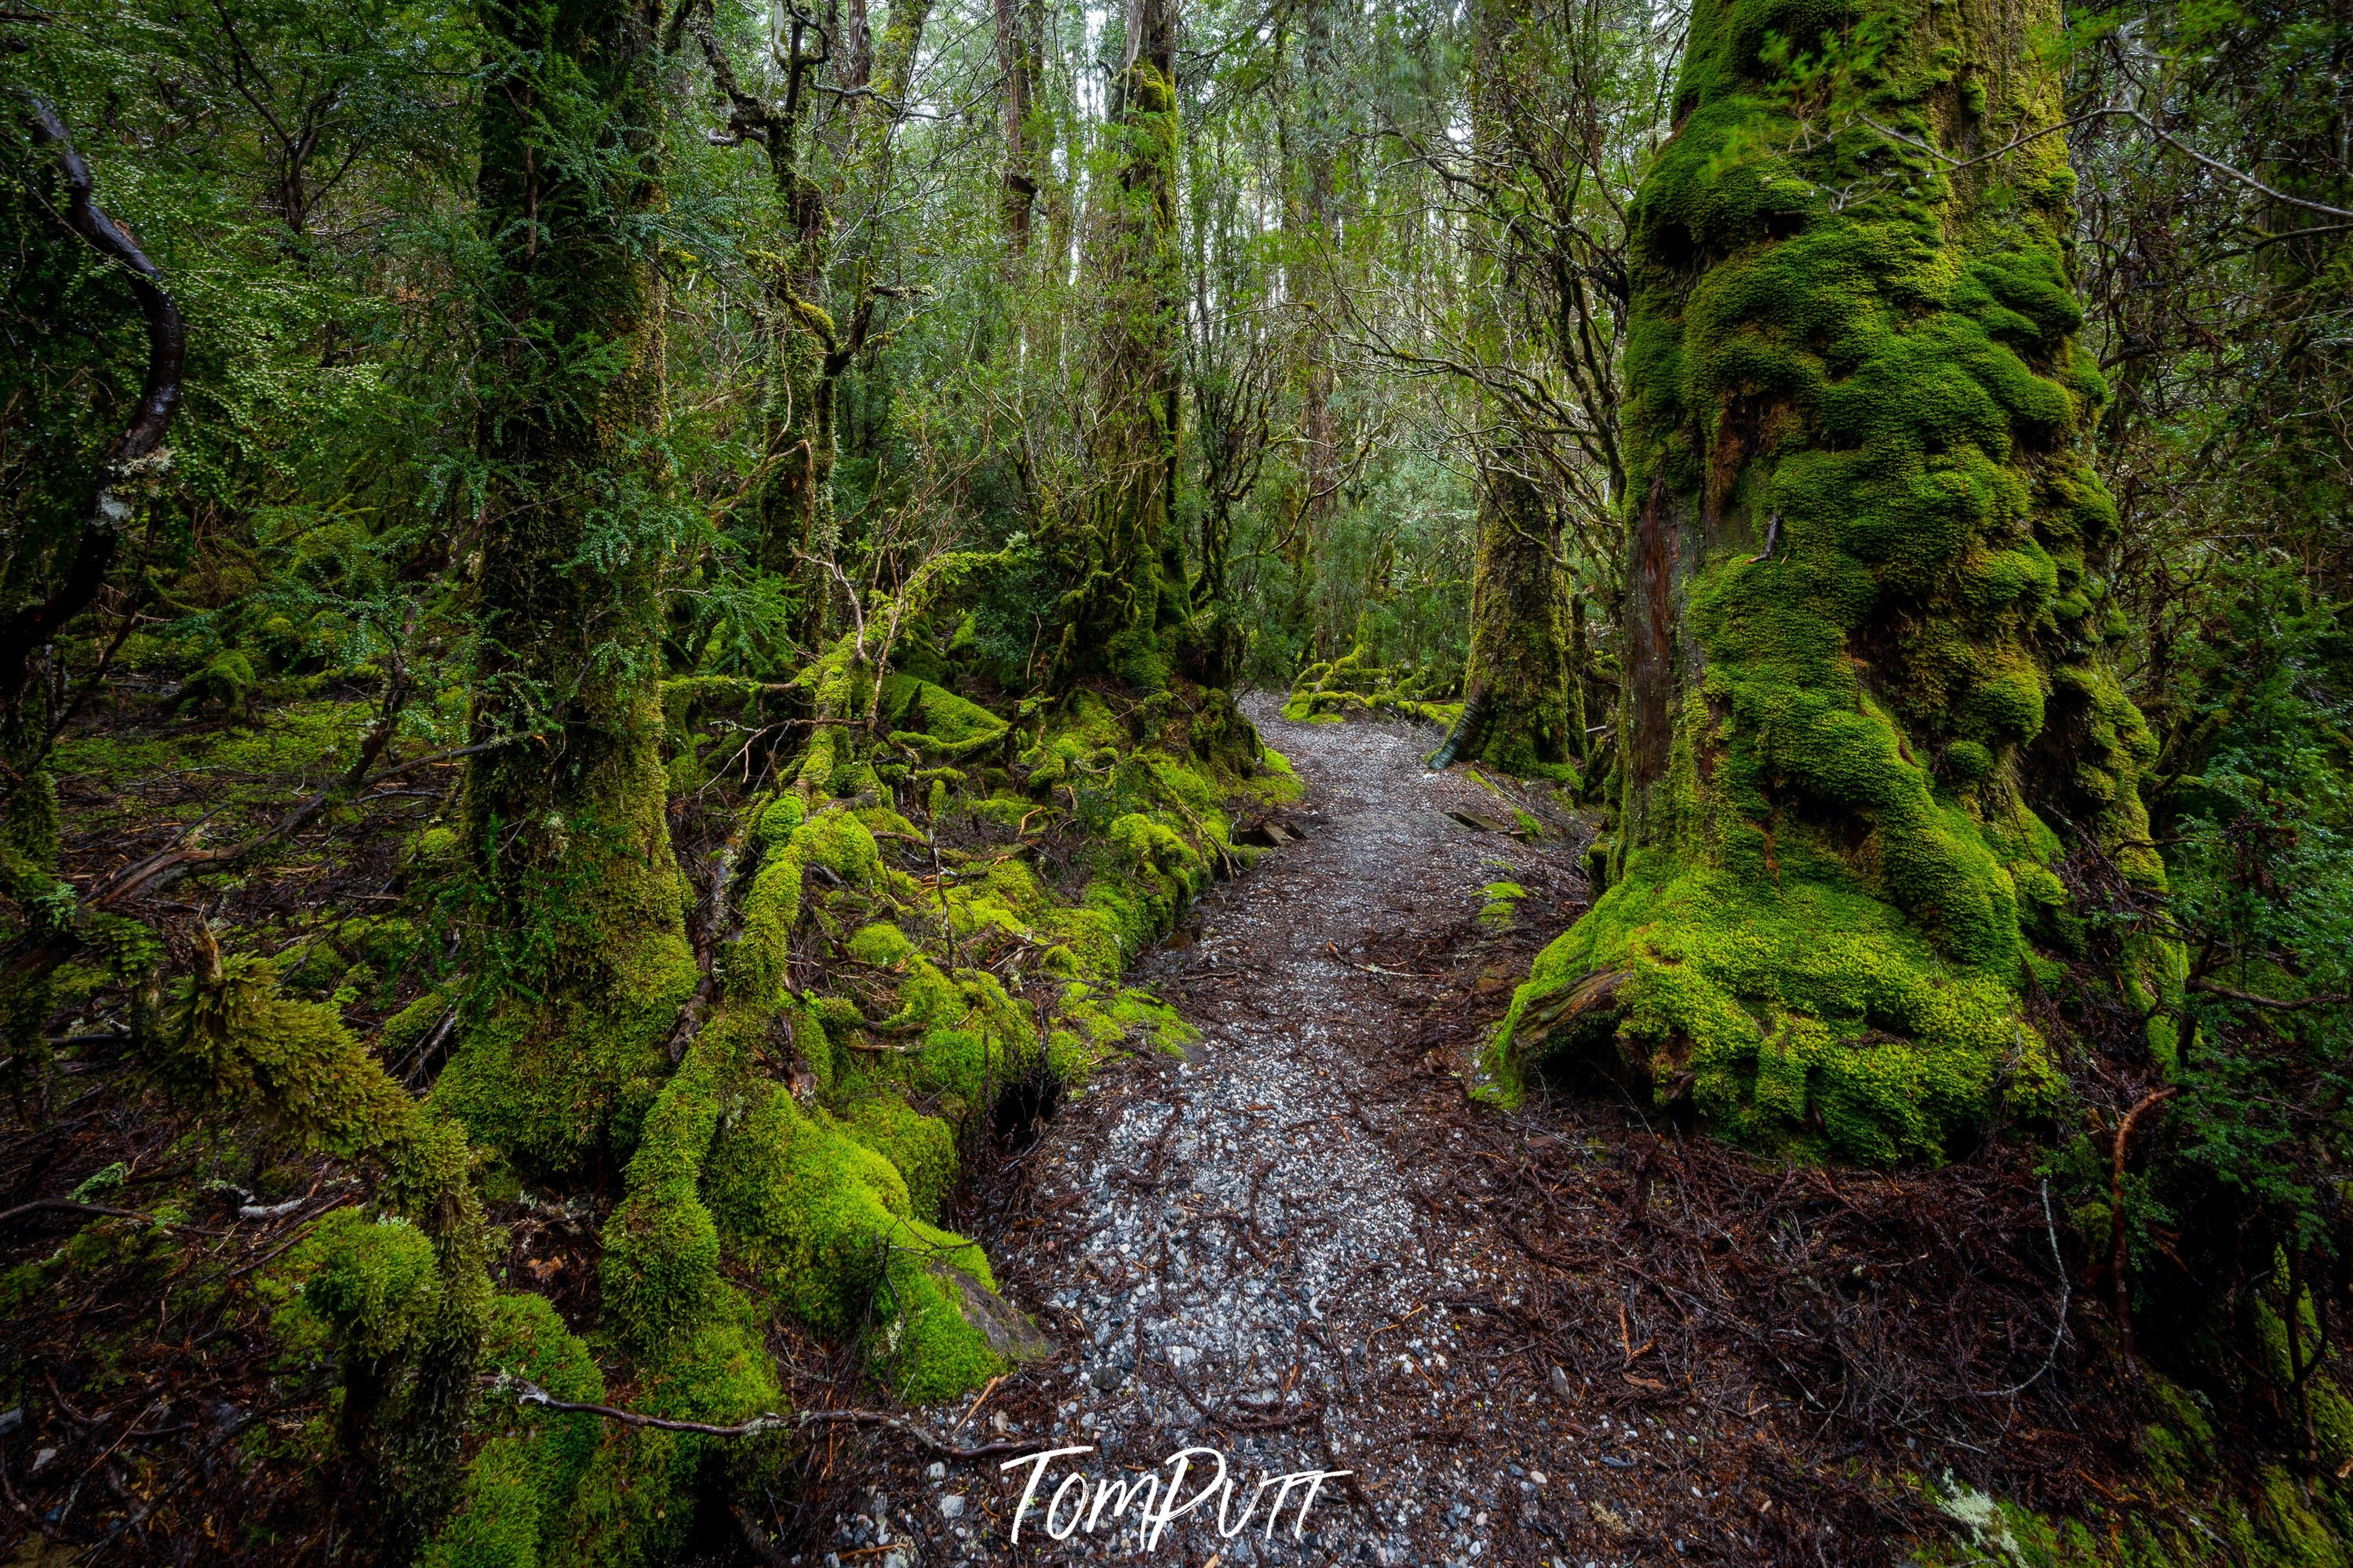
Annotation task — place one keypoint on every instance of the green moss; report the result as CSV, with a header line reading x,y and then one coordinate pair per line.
x,y
826,1223
1500,912
635,1501
406,1029
2189,1516
373,1281
922,1147
818,1210
551,1081
1858,510
1356,683
1011,811
225,680
936,720
1809,1019
883,946
236,1038
747,1195
524,1477
1101,1018
837,840
776,820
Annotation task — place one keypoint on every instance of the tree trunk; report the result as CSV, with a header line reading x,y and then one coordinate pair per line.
x,y
1515,712
50,579
581,952
1516,707
1126,609
1310,216
1020,51
1863,692
810,349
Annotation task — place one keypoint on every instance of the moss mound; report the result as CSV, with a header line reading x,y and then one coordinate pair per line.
x,y
1811,1020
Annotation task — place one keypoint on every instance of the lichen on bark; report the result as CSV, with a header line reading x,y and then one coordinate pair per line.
x,y
1864,686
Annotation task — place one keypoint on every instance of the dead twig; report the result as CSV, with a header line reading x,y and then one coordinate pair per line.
x,y
531,1394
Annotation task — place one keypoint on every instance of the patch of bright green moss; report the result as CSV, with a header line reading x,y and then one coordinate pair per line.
x,y
937,720
1355,683
550,1081
1810,1019
524,1476
922,1147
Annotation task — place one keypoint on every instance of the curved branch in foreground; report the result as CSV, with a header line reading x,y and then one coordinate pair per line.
x,y
135,453
531,1394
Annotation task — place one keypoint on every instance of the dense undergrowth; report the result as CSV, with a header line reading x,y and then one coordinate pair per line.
x,y
904,930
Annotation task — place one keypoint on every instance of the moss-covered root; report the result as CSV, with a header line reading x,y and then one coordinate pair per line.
x,y
1862,623
1811,1017
817,1207
519,1489
403,1294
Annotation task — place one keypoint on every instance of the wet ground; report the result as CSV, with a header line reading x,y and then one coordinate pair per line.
x,y
1273,1248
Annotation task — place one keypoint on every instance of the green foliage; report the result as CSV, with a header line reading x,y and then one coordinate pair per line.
x,y
2263,874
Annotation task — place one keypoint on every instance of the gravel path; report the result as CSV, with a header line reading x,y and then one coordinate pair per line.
x,y
1565,1335
1234,1251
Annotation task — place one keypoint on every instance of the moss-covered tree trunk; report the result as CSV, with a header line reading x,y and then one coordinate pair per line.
x,y
794,503
1865,699
1518,691
1516,698
1126,604
582,956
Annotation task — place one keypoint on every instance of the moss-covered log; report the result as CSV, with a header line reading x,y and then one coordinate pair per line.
x,y
582,953
1863,685
1355,682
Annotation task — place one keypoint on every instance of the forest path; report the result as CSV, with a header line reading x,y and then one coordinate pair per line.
x,y
1240,1250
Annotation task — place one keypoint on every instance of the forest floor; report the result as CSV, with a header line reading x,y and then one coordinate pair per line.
x,y
1565,1333
1302,1244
